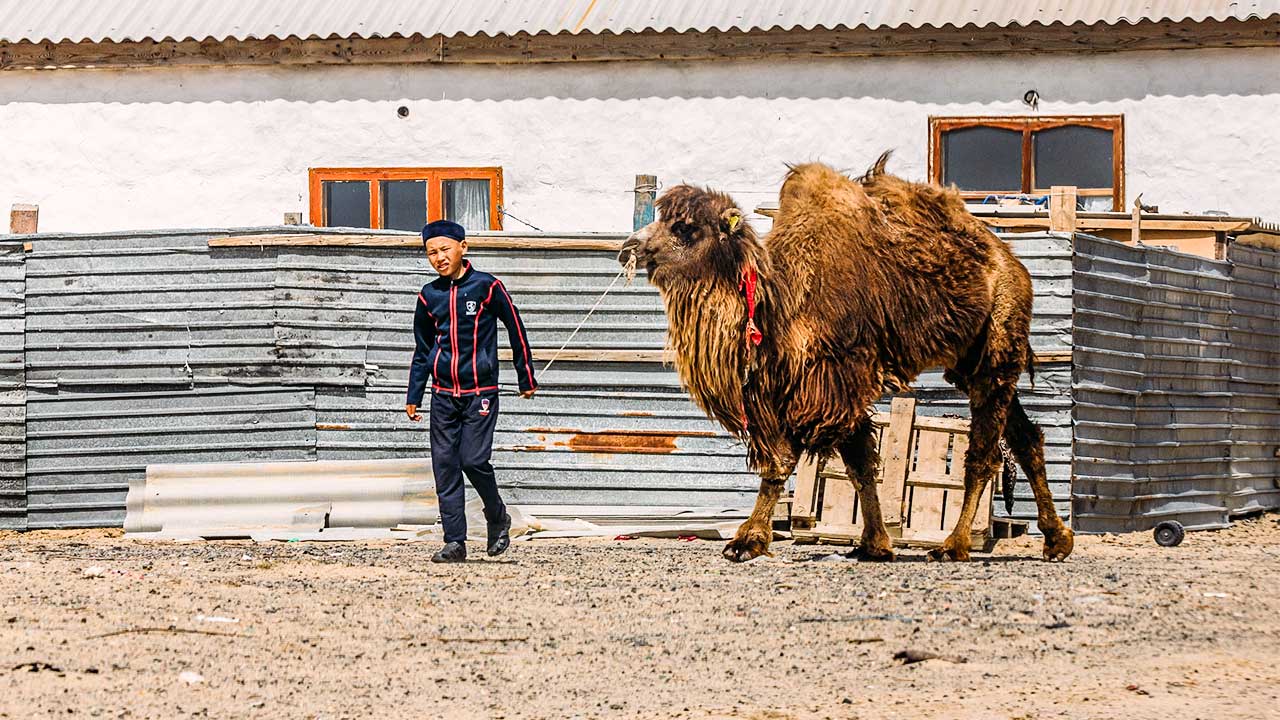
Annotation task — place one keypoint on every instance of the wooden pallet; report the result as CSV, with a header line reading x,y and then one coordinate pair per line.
x,y
921,485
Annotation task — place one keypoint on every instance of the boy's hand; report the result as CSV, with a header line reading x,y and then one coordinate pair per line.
x,y
412,412
528,394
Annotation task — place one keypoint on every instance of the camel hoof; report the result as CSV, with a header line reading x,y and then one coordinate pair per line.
x,y
1058,544
742,549
871,554
949,552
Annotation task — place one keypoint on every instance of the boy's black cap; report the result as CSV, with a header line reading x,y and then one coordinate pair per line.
x,y
444,228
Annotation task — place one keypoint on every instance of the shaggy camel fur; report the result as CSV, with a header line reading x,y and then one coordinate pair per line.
x,y
862,285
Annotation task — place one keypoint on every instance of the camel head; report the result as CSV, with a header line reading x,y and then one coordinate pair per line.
x,y
698,232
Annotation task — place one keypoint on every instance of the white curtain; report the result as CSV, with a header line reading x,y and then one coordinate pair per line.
x,y
466,202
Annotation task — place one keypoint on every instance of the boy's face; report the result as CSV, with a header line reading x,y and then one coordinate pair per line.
x,y
446,254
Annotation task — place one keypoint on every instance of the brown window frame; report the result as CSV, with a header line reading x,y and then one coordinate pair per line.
x,y
434,177
1029,125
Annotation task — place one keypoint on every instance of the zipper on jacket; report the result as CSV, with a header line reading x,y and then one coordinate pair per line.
x,y
453,335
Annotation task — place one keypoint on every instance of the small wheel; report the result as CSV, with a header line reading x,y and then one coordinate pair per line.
x,y
1169,533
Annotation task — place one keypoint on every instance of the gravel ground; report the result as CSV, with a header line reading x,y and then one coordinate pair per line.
x,y
95,624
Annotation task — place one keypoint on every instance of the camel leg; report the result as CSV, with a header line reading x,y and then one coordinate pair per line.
x,y
1027,443
862,460
988,404
753,536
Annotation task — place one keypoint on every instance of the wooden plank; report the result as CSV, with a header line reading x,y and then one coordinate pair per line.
x,y
1135,225
982,518
895,457
941,481
851,536
24,219
925,504
645,45
1053,356
838,501
933,538
804,502
924,422
834,465
652,356
1062,208
1205,243
954,501
412,241
646,189
828,535
924,537
1086,223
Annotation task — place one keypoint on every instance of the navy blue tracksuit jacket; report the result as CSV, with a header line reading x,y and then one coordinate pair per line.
x,y
457,337
456,348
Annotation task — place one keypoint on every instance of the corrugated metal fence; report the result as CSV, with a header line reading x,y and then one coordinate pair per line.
x,y
1176,386
154,347
13,406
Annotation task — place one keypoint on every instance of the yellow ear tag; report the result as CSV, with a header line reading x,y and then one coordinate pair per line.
x,y
733,222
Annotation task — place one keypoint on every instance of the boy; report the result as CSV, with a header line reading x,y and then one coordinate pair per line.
x,y
457,347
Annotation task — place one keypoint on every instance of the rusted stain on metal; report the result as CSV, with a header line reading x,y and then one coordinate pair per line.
x,y
643,443
637,413
330,426
650,433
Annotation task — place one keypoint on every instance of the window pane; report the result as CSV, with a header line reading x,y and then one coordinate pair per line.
x,y
1073,155
982,158
404,204
466,202
346,203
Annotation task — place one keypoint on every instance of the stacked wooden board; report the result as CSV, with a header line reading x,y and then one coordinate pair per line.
x,y
921,485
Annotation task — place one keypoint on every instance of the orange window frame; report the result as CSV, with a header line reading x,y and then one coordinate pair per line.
x,y
1028,126
434,177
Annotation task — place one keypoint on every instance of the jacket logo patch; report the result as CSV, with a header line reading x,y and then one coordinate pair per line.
x,y
484,406
471,307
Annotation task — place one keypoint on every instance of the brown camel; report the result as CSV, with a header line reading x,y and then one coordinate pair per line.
x,y
860,286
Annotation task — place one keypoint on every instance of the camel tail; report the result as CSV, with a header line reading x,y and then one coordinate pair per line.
x,y
1031,366
877,168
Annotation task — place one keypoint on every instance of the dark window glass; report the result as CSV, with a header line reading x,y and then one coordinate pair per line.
x,y
982,158
404,204
346,203
466,202
1073,155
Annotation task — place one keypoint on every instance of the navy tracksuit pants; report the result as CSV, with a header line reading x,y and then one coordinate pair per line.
x,y
462,443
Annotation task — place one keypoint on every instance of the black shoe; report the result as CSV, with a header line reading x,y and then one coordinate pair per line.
x,y
500,535
451,553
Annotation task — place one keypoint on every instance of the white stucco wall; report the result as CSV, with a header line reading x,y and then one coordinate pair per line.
x,y
106,149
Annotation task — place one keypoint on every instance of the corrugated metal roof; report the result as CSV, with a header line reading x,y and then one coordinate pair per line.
x,y
125,20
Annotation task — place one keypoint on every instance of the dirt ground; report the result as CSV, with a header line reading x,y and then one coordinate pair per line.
x,y
639,628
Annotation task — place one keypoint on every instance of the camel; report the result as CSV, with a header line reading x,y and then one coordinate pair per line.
x,y
861,285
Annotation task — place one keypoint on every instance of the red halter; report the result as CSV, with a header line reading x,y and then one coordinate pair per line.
x,y
748,286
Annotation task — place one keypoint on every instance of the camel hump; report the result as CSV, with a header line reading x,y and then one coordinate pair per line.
x,y
808,180
811,172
